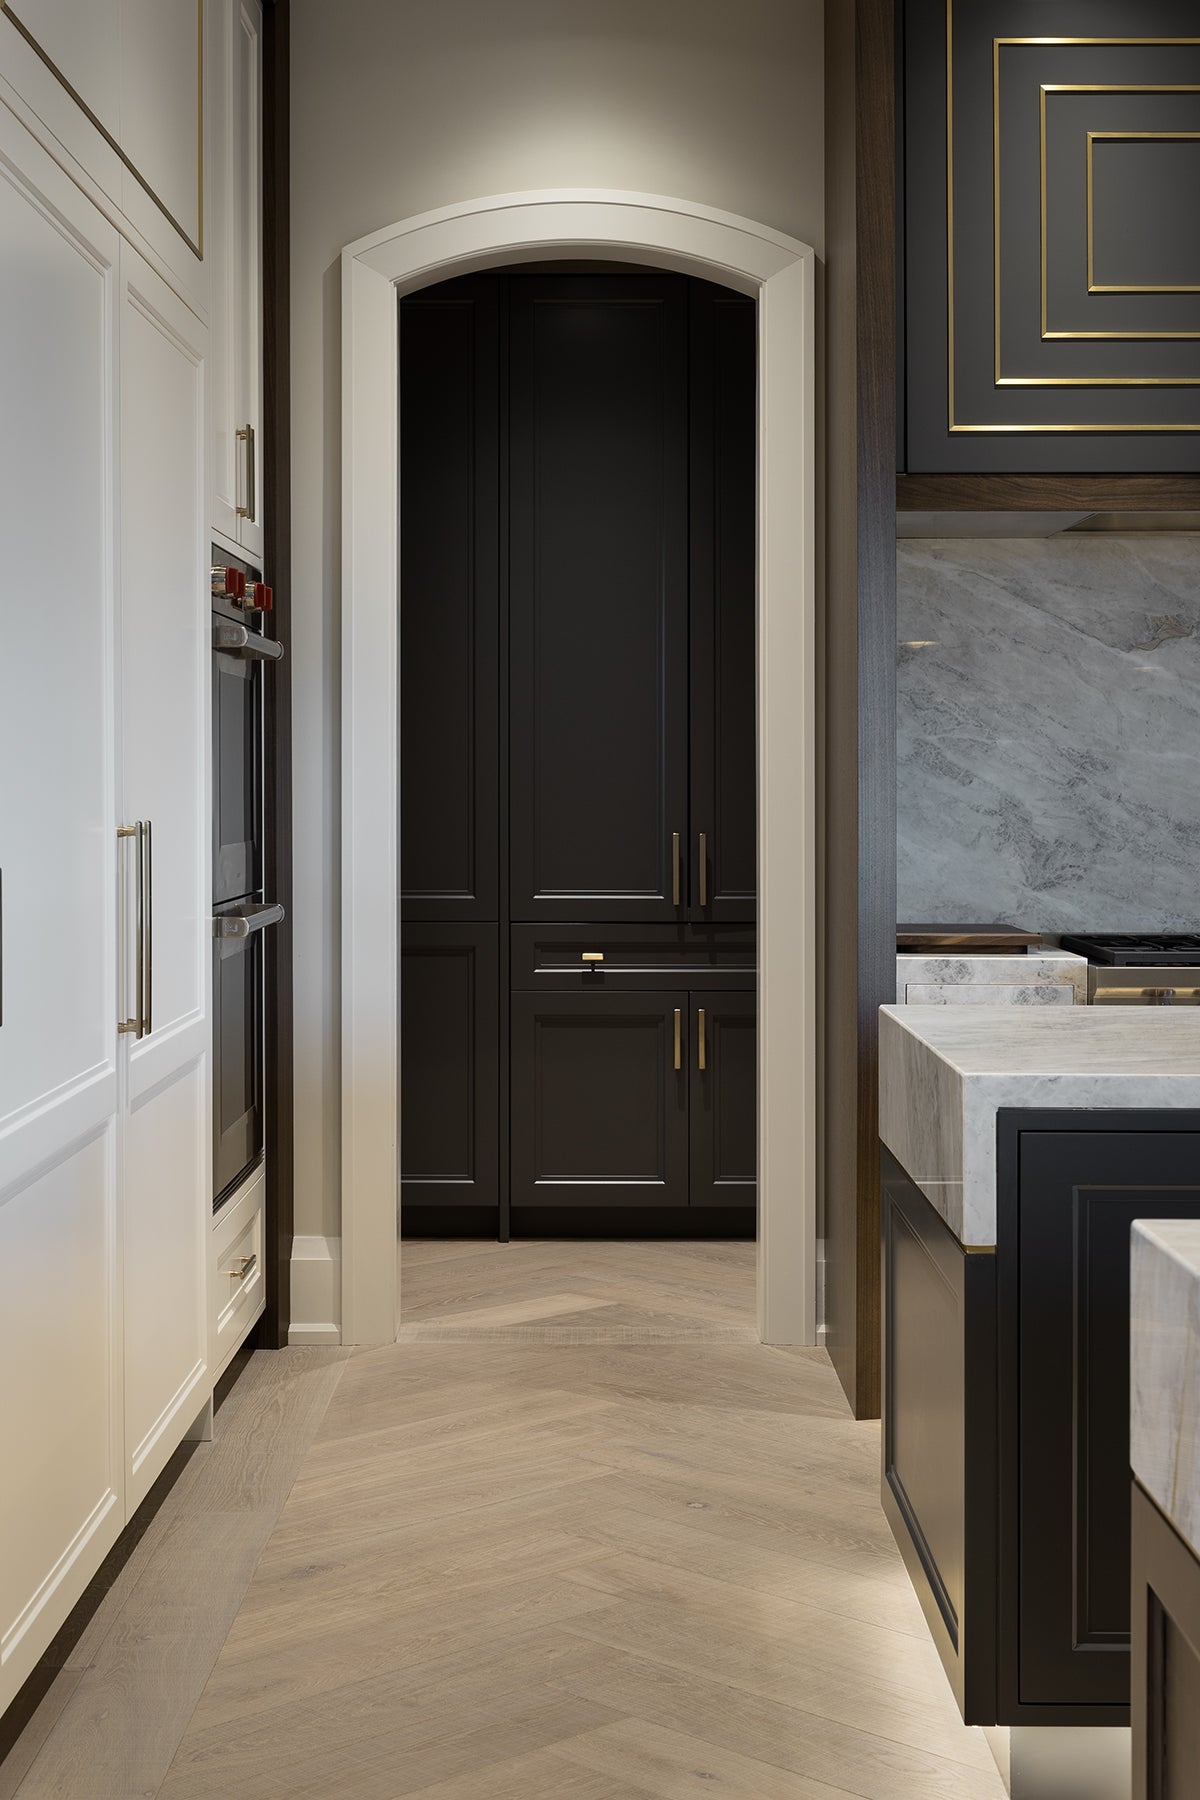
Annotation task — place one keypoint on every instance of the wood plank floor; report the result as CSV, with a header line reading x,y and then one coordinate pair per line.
x,y
524,1565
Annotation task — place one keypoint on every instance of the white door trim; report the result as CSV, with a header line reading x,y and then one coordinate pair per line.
x,y
779,272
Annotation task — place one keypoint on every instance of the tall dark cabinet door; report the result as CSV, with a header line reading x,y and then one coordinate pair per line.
x,y
598,598
724,1110
599,1100
449,607
723,848
449,1065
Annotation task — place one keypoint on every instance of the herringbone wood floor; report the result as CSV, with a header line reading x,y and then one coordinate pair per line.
x,y
586,1541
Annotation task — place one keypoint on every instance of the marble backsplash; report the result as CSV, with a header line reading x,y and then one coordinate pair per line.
x,y
1049,732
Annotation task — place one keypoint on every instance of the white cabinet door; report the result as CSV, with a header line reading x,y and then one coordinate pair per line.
x,y
165,659
236,418
61,1499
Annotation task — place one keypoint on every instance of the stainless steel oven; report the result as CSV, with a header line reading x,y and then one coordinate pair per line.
x,y
242,653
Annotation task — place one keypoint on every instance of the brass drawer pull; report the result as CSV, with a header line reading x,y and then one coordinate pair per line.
x,y
701,1040
593,956
704,868
246,1266
679,1037
675,876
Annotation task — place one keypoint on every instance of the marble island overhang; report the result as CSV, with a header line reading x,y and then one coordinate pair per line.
x,y
944,1074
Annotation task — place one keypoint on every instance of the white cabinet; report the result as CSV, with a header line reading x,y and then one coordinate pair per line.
x,y
120,84
61,1495
235,53
237,1271
164,664
104,719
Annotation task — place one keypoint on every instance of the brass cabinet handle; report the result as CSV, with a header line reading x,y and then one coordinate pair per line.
x,y
132,1023
245,435
675,880
147,984
701,1040
245,1266
679,1037
592,956
704,868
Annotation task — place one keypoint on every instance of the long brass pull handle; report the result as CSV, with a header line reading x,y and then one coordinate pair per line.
x,y
245,435
246,1266
701,1040
704,868
679,1037
133,1023
147,983
675,881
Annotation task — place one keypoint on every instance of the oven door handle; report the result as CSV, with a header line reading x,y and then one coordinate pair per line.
x,y
242,920
238,640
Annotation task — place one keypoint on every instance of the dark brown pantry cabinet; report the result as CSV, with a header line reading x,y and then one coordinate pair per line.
x,y
577,748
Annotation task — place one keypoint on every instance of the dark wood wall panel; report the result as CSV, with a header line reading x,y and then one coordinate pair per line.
x,y
277,502
858,651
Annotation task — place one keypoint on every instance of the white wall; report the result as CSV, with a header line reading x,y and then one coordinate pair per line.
x,y
399,106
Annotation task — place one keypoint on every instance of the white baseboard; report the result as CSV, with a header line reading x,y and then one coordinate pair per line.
x,y
316,1291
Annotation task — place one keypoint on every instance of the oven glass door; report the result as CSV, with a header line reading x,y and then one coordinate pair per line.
x,y
238,1062
237,776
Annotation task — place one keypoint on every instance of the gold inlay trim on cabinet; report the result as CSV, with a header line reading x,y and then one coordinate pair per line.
x,y
954,427
1130,137
1103,336
194,244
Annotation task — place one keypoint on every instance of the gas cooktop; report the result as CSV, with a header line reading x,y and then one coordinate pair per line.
x,y
1173,949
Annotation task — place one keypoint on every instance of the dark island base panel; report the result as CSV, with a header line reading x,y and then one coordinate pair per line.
x,y
1006,1409
1166,1657
734,1223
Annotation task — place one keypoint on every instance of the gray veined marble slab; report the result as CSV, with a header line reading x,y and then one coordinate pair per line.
x,y
1164,1418
945,1072
1048,719
1036,979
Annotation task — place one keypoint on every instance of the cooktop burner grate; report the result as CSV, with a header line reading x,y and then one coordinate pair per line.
x,y
1178,949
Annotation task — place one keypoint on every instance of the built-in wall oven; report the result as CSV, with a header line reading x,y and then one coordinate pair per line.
x,y
242,913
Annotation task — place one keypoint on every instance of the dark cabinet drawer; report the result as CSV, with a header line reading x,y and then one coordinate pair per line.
x,y
600,959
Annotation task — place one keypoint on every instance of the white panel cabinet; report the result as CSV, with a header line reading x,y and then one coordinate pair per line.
x,y
61,1493
104,720
120,85
235,53
165,659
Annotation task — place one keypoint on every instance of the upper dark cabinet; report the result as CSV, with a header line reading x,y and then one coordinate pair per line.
x,y
1050,252
598,560
449,619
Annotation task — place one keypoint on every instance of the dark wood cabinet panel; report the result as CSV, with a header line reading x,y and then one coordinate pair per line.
x,y
1052,316
723,1116
598,597
1078,1193
723,853
449,1064
449,601
939,1432
599,1105
1166,1657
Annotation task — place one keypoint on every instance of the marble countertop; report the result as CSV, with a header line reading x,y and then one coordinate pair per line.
x,y
1164,1435
944,1073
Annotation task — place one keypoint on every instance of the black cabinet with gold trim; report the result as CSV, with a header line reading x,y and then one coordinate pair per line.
x,y
1051,154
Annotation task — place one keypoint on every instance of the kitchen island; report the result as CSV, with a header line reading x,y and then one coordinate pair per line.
x,y
1019,1145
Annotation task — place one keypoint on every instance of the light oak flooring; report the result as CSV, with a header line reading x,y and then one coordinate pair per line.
x,y
514,1563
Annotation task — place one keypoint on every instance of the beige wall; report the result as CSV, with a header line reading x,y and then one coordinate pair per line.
x,y
402,107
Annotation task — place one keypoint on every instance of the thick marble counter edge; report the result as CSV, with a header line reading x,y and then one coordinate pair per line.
x,y
945,1072
1164,1368
1024,978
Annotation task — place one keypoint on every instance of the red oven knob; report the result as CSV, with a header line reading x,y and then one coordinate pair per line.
x,y
228,583
262,596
